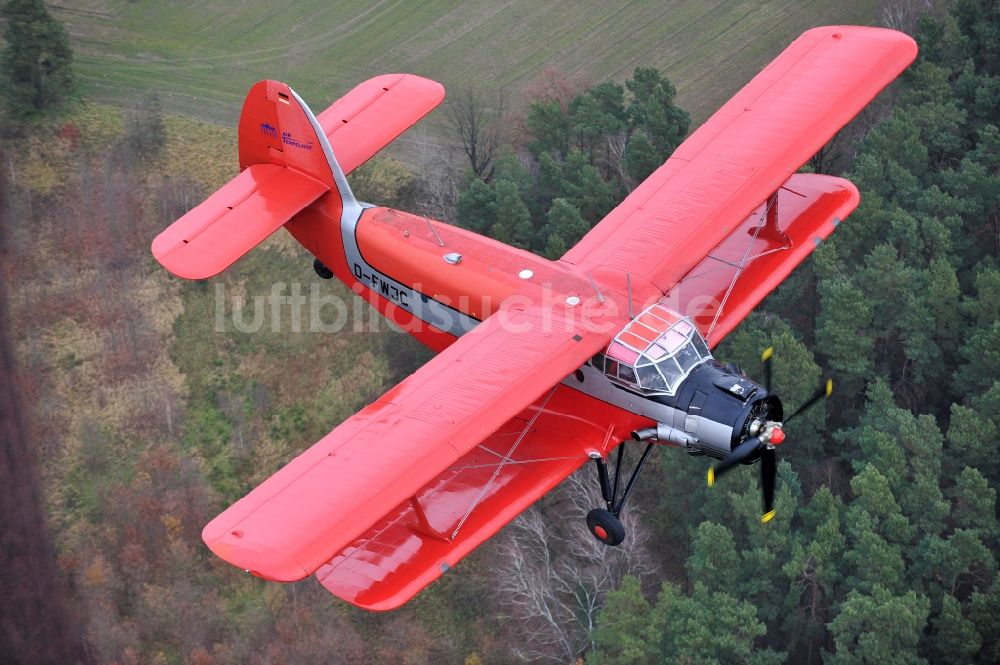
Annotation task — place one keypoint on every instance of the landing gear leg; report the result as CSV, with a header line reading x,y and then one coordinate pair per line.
x,y
604,523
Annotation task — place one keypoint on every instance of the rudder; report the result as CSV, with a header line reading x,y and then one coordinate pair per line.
x,y
276,127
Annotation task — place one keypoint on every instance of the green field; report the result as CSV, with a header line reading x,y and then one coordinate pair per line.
x,y
201,56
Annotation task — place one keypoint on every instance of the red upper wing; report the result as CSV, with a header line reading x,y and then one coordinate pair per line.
x,y
744,152
331,494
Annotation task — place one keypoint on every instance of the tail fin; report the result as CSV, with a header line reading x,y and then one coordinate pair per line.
x,y
287,164
277,127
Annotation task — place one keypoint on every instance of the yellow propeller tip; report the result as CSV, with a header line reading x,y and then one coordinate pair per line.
x,y
767,517
768,352
829,387
711,476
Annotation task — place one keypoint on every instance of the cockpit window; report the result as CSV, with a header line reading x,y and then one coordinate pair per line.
x,y
699,344
655,352
671,372
650,378
687,357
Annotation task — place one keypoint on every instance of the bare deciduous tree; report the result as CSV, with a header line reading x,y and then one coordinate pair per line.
x,y
616,158
476,117
438,177
555,574
903,14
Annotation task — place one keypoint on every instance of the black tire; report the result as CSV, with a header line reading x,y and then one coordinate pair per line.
x,y
604,526
322,270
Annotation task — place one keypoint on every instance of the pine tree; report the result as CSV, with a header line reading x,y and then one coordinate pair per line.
x,y
879,628
954,638
477,207
814,573
981,353
653,109
974,504
973,434
549,127
715,560
513,221
626,632
641,158
707,628
984,611
844,331
564,228
585,188
37,61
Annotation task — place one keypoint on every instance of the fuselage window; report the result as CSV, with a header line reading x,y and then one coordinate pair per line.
x,y
598,362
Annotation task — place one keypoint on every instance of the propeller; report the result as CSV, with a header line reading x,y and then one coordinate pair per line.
x,y
765,360
824,391
765,442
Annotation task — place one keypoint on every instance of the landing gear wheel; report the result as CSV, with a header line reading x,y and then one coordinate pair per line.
x,y
322,270
604,526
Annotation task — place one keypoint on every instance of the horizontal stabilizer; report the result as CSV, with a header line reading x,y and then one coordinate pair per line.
x,y
234,220
375,112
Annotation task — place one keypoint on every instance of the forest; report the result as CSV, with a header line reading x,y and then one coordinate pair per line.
x,y
128,421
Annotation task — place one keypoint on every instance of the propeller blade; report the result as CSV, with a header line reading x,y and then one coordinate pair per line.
x,y
768,469
824,392
742,451
765,359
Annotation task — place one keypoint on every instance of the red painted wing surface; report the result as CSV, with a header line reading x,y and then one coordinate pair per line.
x,y
234,220
322,501
728,283
418,541
743,153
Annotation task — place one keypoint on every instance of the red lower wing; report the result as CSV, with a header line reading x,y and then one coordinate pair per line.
x,y
425,536
721,290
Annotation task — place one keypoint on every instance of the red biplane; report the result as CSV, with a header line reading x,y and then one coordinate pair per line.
x,y
542,365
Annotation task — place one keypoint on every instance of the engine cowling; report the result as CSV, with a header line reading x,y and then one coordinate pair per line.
x,y
718,407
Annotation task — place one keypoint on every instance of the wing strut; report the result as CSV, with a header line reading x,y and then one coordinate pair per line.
x,y
767,229
423,524
503,462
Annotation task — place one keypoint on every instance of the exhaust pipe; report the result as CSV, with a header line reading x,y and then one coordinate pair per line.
x,y
665,434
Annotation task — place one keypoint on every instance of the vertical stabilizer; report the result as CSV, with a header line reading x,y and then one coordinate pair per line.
x,y
277,127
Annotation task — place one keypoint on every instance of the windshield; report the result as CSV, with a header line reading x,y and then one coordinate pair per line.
x,y
655,352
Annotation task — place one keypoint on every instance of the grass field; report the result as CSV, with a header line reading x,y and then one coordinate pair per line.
x,y
201,56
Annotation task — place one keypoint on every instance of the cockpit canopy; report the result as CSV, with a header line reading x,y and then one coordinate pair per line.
x,y
655,352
